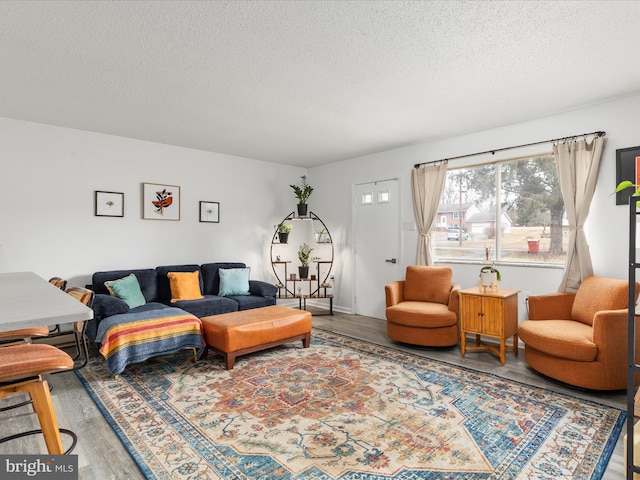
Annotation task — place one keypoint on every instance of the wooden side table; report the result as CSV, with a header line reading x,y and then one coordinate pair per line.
x,y
489,313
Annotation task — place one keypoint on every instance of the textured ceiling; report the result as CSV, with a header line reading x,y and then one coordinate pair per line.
x,y
310,82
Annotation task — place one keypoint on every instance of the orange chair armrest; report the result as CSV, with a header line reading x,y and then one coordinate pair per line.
x,y
611,326
394,293
610,336
454,299
554,306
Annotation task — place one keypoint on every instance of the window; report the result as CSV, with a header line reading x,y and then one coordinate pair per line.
x,y
514,208
367,198
383,196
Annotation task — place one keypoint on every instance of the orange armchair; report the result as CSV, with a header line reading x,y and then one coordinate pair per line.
x,y
580,338
423,308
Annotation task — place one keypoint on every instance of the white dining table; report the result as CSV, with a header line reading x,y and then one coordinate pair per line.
x,y
27,300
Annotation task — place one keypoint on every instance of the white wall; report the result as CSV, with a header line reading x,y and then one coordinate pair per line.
x,y
49,175
47,222
606,229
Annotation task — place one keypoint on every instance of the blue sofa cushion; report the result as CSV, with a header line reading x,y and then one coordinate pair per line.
x,y
234,281
146,279
164,286
148,306
209,305
246,302
211,276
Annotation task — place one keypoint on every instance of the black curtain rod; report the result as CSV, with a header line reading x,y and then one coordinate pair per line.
x,y
492,152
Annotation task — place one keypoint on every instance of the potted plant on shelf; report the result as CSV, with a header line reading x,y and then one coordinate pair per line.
x,y
302,193
304,254
283,231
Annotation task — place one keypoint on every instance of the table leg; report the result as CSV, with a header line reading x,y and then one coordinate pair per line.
x,y
515,344
502,351
463,344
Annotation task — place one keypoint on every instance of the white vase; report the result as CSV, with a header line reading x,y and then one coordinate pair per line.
x,y
488,279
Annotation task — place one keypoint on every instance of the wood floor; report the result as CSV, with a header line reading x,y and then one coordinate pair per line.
x,y
102,456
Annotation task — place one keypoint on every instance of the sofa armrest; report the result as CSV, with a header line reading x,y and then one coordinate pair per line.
x,y
107,305
104,306
553,306
394,293
262,289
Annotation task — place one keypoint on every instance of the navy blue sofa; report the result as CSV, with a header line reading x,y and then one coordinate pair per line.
x,y
155,287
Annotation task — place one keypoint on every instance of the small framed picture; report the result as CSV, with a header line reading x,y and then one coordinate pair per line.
x,y
160,202
109,204
210,212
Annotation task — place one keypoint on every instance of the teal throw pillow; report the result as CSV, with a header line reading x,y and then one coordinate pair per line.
x,y
234,281
127,289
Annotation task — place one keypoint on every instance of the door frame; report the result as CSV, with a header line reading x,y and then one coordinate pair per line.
x,y
354,185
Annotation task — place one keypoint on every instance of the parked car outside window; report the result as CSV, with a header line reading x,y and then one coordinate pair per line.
x,y
454,234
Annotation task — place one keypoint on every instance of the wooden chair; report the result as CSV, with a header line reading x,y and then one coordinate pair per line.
x,y
21,370
85,296
58,282
22,335
17,337
26,335
62,285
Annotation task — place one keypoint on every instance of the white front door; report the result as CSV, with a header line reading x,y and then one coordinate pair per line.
x,y
377,233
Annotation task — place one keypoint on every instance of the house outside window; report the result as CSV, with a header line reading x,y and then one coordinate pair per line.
x,y
514,207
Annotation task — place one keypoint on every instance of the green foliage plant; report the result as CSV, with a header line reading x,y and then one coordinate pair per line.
x,y
302,191
304,254
492,269
489,268
284,227
628,184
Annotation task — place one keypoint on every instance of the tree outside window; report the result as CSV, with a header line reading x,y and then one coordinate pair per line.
x,y
515,207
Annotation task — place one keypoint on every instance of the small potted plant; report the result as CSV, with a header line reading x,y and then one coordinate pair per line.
x,y
302,193
489,274
304,254
283,231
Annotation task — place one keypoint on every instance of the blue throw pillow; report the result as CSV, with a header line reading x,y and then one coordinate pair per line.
x,y
128,289
234,281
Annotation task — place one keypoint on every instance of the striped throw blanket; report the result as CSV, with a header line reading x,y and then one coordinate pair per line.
x,y
135,337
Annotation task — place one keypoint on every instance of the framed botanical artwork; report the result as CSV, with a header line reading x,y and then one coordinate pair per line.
x,y
210,212
627,168
160,202
109,204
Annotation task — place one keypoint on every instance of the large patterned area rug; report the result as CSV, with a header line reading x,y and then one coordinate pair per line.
x,y
346,409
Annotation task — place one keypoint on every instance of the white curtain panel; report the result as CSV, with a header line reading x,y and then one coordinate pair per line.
x,y
577,162
427,184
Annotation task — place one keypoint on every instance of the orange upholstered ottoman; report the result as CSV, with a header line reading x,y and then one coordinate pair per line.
x,y
238,333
